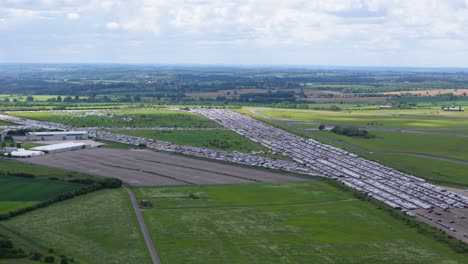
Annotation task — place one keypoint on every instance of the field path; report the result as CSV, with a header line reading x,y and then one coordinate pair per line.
x,y
144,229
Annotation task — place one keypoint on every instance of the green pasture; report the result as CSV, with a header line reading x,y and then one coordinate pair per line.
x,y
417,118
40,172
17,192
384,141
280,223
123,118
215,139
437,171
96,228
3,123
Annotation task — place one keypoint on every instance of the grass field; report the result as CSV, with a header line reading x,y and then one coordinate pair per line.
x,y
215,139
437,171
281,223
40,172
451,147
418,118
3,123
96,228
123,118
16,192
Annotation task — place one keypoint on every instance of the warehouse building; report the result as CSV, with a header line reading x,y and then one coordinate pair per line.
x,y
56,148
57,135
22,153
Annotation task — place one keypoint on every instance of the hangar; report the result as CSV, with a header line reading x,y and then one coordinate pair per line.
x,y
55,148
57,135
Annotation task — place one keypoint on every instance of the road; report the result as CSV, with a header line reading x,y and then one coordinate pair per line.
x,y
144,229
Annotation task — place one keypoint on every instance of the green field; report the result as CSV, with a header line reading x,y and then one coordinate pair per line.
x,y
40,172
281,223
418,118
3,123
96,228
123,118
215,139
452,147
437,171
17,192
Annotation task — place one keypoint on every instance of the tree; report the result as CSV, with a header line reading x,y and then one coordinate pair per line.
x,y
29,98
49,259
18,145
59,98
322,127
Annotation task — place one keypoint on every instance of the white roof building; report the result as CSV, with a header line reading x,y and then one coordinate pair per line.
x,y
22,153
54,148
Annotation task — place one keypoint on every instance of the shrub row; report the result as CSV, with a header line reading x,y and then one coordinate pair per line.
x,y
351,132
7,251
422,228
17,174
108,183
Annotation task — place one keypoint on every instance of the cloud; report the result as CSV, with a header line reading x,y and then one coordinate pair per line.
x,y
315,29
112,25
73,16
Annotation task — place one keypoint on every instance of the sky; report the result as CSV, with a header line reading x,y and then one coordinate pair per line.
x,y
419,33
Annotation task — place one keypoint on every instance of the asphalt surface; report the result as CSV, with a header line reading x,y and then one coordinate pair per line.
x,y
144,229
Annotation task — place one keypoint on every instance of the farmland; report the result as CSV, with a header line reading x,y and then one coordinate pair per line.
x,y
280,223
121,118
418,118
16,192
86,229
213,139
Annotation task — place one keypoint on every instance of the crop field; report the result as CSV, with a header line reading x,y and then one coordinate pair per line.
x,y
96,228
213,139
121,118
17,192
280,223
150,168
420,118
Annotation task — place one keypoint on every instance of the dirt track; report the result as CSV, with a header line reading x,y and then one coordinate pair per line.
x,y
149,168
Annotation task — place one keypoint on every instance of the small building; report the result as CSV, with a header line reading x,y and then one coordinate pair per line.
x,y
146,203
454,108
57,135
385,106
62,147
22,153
